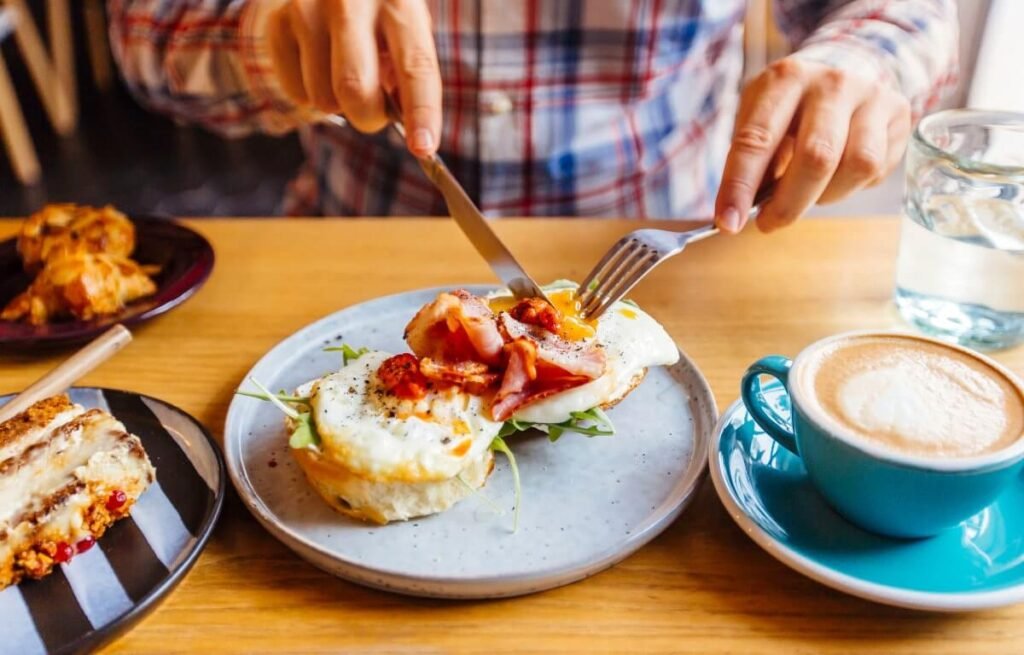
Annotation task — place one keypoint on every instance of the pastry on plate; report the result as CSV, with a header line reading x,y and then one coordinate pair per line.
x,y
80,258
66,475
82,286
59,230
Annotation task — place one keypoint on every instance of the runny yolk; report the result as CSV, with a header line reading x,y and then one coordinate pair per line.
x,y
573,327
628,313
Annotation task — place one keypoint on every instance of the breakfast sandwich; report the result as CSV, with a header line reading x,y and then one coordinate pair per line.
x,y
395,436
66,475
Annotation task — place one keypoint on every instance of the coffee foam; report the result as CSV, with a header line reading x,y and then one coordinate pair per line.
x,y
914,396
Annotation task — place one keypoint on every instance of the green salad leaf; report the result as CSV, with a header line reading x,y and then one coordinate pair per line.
x,y
304,435
591,423
499,445
348,353
282,396
479,494
560,284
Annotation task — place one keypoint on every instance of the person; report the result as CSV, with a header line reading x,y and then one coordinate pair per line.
x,y
551,107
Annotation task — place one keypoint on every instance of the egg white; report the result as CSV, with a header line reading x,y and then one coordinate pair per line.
x,y
632,341
384,439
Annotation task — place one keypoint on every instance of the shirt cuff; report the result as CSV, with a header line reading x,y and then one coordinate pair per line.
x,y
850,54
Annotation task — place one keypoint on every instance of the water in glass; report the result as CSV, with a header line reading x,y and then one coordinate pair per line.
x,y
960,273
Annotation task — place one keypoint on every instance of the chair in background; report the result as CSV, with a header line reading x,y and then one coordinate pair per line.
x,y
53,76
13,130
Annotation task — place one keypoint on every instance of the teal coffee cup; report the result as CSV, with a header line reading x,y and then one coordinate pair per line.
x,y
902,435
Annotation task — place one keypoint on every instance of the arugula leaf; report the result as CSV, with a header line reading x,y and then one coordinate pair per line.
x,y
348,353
304,435
591,423
630,302
282,396
512,426
559,284
479,494
285,409
499,445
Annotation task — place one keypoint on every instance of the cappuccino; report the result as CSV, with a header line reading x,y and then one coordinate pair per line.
x,y
912,396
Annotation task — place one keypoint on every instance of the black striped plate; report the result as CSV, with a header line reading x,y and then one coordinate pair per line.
x,y
104,591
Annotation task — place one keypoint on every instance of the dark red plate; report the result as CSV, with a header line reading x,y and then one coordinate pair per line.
x,y
185,259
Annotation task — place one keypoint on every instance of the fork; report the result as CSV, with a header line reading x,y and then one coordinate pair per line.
x,y
638,253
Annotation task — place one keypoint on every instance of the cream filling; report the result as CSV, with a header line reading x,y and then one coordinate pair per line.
x,y
50,466
37,434
118,467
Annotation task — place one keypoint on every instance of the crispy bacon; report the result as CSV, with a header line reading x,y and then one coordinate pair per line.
x,y
584,359
474,377
527,379
457,340
456,327
402,377
535,311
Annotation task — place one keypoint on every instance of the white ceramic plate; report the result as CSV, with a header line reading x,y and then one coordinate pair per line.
x,y
587,503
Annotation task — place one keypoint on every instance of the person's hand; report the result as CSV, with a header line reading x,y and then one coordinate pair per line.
x,y
336,56
831,131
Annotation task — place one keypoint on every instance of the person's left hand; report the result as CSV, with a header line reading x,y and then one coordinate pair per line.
x,y
833,132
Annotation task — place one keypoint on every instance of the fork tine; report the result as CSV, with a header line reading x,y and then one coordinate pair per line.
x,y
629,257
641,258
625,284
609,262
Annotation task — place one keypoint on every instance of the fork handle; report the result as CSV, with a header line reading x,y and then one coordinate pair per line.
x,y
764,193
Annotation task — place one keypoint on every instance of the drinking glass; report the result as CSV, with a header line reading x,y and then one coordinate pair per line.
x,y
960,273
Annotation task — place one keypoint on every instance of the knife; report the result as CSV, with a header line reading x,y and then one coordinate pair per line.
x,y
470,220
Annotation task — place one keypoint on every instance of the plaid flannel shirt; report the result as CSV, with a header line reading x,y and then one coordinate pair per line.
x,y
551,107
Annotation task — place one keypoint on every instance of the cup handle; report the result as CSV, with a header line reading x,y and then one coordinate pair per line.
x,y
778,367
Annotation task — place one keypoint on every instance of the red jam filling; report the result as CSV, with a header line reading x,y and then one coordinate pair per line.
x,y
116,500
64,553
85,544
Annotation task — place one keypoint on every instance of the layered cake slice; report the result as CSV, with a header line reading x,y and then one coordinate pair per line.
x,y
66,475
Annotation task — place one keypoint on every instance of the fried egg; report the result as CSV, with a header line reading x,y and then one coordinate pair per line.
x,y
632,341
381,438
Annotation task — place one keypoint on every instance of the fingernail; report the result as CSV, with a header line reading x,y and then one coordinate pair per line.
x,y
422,140
731,220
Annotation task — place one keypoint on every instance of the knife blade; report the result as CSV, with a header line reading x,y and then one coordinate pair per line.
x,y
469,219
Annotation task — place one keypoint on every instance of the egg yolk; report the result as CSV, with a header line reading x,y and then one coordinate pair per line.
x,y
572,326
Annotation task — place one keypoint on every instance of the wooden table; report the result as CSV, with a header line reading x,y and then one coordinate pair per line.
x,y
700,587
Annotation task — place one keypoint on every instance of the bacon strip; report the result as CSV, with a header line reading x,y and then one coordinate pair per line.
x,y
456,327
459,341
528,379
474,377
576,358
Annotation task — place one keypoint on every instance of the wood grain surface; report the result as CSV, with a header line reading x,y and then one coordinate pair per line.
x,y
700,587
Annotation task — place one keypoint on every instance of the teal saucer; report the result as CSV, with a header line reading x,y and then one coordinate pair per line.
x,y
978,564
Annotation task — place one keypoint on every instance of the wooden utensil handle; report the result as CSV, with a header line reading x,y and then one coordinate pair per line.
x,y
68,372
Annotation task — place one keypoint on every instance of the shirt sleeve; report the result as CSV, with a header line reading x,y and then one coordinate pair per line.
x,y
910,44
201,62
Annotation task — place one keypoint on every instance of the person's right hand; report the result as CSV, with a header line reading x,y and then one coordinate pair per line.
x,y
337,56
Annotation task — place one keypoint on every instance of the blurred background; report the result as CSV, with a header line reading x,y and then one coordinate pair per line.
x,y
144,163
